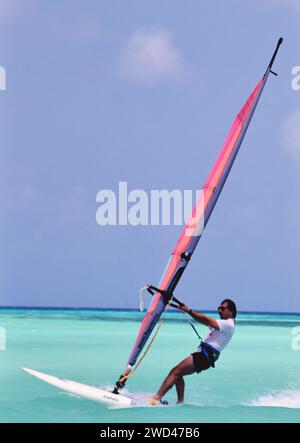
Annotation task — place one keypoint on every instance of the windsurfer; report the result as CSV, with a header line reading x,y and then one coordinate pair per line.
x,y
206,354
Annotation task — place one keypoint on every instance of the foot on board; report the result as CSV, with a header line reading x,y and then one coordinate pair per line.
x,y
155,402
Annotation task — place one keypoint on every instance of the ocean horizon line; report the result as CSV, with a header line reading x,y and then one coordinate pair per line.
x,y
69,308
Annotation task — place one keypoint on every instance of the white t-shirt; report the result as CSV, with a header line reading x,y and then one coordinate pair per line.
x,y
218,339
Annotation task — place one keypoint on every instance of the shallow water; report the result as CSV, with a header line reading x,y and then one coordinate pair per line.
x,y
256,379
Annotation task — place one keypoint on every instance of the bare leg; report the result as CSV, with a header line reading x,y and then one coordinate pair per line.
x,y
186,367
180,389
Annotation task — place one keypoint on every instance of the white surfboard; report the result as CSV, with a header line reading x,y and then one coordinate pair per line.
x,y
82,390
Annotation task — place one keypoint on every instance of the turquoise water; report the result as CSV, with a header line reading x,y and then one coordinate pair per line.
x,y
257,378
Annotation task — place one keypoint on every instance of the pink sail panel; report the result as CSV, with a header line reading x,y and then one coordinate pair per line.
x,y
178,262
190,234
155,309
216,172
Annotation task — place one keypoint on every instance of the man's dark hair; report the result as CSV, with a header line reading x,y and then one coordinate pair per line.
x,y
231,306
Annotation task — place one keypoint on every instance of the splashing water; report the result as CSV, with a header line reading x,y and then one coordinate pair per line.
x,y
287,398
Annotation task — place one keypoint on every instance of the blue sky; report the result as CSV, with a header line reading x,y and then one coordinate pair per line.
x,y
100,92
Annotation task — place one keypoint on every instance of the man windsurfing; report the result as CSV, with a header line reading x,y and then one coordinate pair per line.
x,y
182,254
206,354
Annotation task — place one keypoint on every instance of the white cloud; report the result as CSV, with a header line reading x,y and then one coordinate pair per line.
x,y
150,56
291,135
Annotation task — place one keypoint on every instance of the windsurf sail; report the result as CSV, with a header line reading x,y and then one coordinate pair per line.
x,y
192,232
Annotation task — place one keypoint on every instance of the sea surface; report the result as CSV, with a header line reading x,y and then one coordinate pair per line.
x,y
256,379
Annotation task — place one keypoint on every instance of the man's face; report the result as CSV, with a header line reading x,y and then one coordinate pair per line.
x,y
224,311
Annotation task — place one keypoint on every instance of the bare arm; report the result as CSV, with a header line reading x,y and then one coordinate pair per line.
x,y
201,318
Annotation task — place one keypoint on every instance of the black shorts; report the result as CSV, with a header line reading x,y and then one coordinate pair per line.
x,y
200,362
